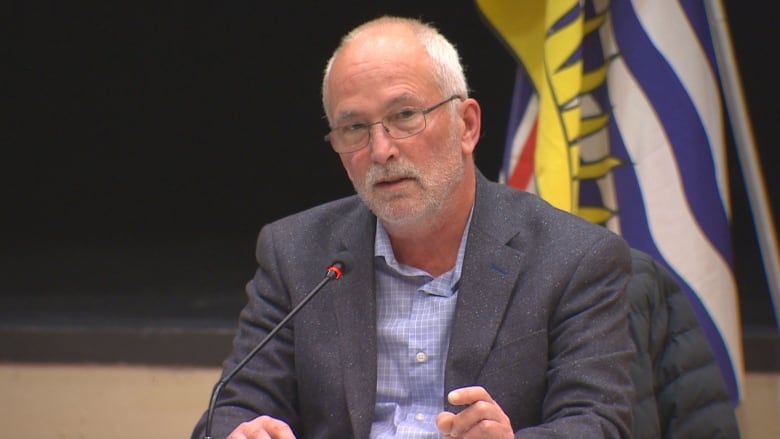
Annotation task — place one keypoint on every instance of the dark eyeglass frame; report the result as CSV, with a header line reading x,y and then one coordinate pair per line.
x,y
367,127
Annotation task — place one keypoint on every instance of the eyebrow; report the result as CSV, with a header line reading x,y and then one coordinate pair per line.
x,y
403,98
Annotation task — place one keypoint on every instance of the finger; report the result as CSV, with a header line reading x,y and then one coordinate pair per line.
x,y
262,427
482,417
249,430
482,430
240,433
444,422
477,413
468,395
277,429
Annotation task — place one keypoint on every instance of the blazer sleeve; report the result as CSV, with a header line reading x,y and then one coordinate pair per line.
x,y
589,391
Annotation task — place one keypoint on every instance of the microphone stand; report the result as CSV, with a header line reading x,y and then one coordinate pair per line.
x,y
334,272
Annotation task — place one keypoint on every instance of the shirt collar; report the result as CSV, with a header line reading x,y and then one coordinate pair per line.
x,y
384,250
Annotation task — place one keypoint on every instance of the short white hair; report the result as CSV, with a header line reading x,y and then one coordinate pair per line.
x,y
448,72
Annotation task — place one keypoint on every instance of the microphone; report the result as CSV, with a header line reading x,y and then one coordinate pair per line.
x,y
335,271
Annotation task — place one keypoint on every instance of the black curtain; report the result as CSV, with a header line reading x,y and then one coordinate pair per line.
x,y
148,142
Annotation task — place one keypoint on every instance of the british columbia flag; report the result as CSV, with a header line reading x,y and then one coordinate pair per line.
x,y
617,117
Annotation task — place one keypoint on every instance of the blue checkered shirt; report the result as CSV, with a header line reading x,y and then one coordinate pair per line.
x,y
414,317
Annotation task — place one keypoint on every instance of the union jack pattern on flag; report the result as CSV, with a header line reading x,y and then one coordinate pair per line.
x,y
617,117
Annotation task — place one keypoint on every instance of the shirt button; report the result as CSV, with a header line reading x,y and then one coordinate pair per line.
x,y
420,357
419,417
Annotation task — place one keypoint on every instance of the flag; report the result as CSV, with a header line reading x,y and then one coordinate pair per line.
x,y
617,118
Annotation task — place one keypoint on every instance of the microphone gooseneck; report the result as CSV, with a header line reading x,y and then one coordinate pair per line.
x,y
335,271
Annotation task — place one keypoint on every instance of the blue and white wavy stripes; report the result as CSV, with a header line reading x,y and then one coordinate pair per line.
x,y
667,117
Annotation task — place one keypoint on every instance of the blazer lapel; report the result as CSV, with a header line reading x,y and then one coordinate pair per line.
x,y
355,308
489,274
490,271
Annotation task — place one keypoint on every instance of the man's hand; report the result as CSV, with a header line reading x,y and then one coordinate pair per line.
x,y
262,427
483,418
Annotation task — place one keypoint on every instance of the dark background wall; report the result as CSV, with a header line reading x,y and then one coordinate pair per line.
x,y
147,143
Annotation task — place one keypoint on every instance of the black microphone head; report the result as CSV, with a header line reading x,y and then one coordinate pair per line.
x,y
341,264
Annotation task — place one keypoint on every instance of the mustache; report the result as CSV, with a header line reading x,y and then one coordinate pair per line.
x,y
395,170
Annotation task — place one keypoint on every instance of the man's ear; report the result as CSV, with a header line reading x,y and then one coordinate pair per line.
x,y
471,116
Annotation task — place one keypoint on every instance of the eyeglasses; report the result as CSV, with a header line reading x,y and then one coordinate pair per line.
x,y
398,125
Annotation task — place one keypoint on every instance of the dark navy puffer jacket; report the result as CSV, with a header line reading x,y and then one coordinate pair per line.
x,y
680,392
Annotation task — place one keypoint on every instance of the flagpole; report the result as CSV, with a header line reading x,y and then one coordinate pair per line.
x,y
746,150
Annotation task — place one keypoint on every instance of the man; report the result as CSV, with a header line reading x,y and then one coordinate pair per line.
x,y
469,309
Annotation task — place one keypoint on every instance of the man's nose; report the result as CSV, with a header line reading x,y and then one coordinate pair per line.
x,y
382,145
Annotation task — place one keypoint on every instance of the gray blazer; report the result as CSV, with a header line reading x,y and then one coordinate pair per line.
x,y
540,322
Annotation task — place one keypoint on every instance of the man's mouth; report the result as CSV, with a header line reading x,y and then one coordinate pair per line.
x,y
391,181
